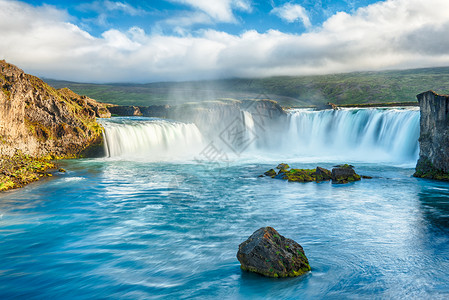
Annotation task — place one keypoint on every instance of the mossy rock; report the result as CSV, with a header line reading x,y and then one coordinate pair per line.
x,y
268,253
270,173
283,166
344,174
425,169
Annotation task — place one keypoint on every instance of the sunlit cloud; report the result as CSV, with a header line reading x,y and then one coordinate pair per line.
x,y
219,10
291,13
385,35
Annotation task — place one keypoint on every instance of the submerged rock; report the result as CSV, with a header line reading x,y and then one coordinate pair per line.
x,y
344,174
268,253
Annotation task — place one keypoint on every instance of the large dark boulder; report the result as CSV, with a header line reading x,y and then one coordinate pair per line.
x,y
322,174
268,253
344,174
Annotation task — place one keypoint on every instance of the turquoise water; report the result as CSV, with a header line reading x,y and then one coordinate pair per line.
x,y
134,230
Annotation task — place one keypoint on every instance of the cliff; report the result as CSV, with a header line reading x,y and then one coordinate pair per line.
x,y
433,160
39,120
38,123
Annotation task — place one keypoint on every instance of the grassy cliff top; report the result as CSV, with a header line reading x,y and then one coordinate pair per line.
x,y
348,88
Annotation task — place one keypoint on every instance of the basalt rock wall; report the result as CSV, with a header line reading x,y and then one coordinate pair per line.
x,y
433,160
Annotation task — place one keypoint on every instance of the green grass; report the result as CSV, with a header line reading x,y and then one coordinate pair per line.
x,y
347,88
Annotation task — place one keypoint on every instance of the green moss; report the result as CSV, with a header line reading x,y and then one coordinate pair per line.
x,y
19,170
425,169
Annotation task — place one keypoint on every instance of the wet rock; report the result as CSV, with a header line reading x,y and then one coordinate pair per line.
x,y
344,166
344,174
322,174
283,166
301,175
433,160
282,174
366,177
268,253
270,173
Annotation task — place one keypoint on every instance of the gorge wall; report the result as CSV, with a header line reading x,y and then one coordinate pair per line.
x,y
433,160
39,120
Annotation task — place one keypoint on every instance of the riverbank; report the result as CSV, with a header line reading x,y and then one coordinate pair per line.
x,y
20,169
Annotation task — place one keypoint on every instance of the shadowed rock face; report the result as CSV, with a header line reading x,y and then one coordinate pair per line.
x,y
39,120
268,253
344,174
433,160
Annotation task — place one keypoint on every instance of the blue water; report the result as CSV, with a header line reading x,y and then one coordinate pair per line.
x,y
137,230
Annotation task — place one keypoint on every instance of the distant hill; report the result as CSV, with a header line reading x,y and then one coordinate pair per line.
x,y
347,88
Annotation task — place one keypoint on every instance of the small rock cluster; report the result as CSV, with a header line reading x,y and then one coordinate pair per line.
x,y
268,253
339,174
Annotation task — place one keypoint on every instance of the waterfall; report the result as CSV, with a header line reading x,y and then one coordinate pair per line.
x,y
367,135
150,138
361,134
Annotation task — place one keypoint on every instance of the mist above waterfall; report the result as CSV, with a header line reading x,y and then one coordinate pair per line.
x,y
364,135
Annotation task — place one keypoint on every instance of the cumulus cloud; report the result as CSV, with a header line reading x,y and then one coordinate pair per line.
x,y
291,13
385,35
219,10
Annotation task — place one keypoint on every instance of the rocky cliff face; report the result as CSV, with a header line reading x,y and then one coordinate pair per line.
x,y
434,137
39,120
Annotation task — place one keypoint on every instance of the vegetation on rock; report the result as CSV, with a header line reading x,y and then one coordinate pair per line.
x,y
339,174
425,169
20,169
40,120
433,160
39,123
268,253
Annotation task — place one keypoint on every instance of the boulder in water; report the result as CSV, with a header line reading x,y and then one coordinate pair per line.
x,y
322,174
283,166
300,175
270,173
268,253
344,174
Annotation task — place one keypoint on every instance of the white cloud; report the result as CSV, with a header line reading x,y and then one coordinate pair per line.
x,y
291,13
385,35
219,10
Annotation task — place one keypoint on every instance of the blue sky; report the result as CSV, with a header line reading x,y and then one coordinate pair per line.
x,y
99,16
147,41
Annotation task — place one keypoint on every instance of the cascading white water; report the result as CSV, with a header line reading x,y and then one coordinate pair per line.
x,y
370,135
359,134
151,139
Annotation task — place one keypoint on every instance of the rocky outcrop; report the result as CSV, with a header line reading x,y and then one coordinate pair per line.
x,y
41,121
433,160
344,174
126,111
268,253
339,174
